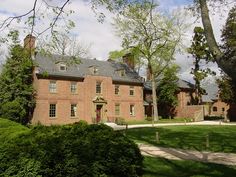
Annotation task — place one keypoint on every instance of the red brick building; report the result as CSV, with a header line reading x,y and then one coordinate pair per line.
x,y
185,108
94,91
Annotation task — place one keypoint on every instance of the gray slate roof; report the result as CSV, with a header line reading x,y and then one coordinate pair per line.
x,y
185,84
105,68
212,91
181,84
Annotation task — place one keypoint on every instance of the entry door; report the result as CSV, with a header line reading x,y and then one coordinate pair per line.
x,y
98,113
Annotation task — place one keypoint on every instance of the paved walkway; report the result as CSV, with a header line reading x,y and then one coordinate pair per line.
x,y
177,154
121,127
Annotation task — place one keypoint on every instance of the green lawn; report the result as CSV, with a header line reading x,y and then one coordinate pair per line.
x,y
221,138
160,167
10,129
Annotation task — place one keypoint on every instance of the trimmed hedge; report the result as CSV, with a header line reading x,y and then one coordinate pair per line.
x,y
74,150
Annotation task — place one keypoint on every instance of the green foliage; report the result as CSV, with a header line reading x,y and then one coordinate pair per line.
x,y
71,150
152,36
201,52
166,91
226,85
227,89
120,121
229,34
114,55
16,89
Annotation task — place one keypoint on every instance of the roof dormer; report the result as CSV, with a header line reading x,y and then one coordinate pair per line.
x,y
121,72
61,66
93,69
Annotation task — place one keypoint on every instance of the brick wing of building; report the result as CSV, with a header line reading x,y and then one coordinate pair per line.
x,y
94,91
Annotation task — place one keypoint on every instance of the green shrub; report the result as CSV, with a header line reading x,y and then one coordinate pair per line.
x,y
120,121
76,150
213,118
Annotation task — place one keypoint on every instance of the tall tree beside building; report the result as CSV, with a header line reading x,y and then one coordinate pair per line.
x,y
226,89
201,54
16,89
226,85
167,92
152,35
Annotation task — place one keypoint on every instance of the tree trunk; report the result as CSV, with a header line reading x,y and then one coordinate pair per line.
x,y
226,63
154,98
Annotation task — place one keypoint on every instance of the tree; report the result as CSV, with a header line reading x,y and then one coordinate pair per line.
x,y
226,85
152,36
64,45
167,91
226,62
226,89
200,51
16,89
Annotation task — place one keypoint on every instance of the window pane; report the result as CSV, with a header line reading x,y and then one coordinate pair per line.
x,y
98,87
73,110
131,110
117,89
73,87
52,87
117,109
52,110
131,90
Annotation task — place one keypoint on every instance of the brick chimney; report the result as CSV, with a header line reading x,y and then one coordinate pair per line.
x,y
29,43
129,60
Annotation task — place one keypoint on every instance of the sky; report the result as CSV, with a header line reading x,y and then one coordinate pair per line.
x,y
101,36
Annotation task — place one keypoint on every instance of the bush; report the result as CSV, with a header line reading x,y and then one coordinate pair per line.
x,y
213,118
120,121
76,150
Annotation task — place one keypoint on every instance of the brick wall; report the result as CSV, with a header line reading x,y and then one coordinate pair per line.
x,y
84,98
190,111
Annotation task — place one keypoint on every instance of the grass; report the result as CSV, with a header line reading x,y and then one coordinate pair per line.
x,y
221,138
175,120
10,130
160,167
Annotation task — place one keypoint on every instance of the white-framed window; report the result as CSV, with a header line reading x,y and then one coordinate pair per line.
x,y
73,110
131,110
73,87
52,110
122,73
95,70
117,89
98,87
117,109
52,86
62,67
131,90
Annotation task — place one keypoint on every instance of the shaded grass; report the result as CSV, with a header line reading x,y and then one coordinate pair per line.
x,y
160,167
221,138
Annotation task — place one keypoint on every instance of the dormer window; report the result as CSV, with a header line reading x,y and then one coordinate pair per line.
x,y
93,69
121,73
62,67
